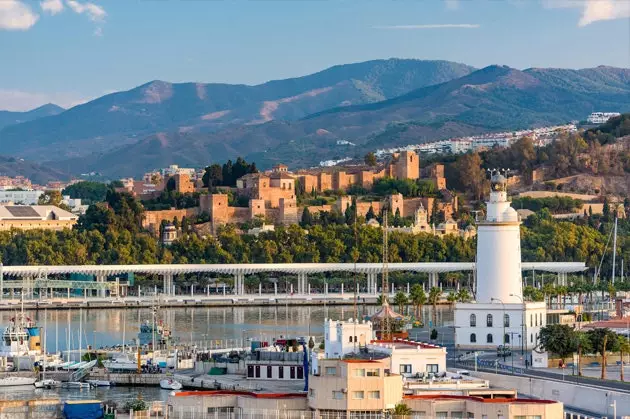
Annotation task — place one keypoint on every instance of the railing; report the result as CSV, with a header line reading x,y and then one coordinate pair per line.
x,y
79,374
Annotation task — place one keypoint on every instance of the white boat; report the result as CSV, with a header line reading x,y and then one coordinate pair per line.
x,y
121,364
170,384
16,381
49,383
99,383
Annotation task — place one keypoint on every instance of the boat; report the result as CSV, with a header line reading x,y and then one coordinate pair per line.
x,y
16,381
99,383
121,363
170,384
75,384
20,338
155,332
48,383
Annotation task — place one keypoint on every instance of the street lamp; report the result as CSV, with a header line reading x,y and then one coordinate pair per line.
x,y
523,324
503,319
614,406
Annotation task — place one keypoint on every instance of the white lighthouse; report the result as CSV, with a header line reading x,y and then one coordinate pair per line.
x,y
500,316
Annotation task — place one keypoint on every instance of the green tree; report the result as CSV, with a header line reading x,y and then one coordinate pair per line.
x,y
370,159
370,214
89,192
435,294
307,218
583,346
212,176
603,340
401,410
418,299
624,348
401,300
559,339
463,296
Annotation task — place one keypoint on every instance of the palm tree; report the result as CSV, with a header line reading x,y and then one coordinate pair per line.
x,y
418,299
463,296
401,300
624,348
401,410
434,297
379,300
583,346
451,297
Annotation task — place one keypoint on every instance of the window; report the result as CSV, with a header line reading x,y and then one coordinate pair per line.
x,y
434,368
536,317
405,368
350,339
311,392
471,415
489,320
489,338
269,372
457,415
531,338
358,395
531,320
541,319
250,371
300,373
506,320
292,372
257,371
373,372
331,370
473,320
359,372
506,339
280,371
473,338
337,395
441,415
374,394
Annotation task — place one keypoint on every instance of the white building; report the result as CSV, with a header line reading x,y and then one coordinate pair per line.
x,y
409,358
500,315
601,117
345,337
30,197
174,169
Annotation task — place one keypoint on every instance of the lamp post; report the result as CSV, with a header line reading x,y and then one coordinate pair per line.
x,y
523,324
503,319
614,406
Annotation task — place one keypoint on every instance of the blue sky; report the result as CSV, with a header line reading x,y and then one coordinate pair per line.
x,y
68,51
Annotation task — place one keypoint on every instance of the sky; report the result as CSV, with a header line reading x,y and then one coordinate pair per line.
x,y
70,51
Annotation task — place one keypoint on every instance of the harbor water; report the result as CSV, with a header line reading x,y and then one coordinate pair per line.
x,y
202,326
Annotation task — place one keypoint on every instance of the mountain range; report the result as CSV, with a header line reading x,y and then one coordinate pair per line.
x,y
12,118
301,121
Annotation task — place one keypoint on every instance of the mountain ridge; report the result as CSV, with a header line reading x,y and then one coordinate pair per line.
x,y
16,117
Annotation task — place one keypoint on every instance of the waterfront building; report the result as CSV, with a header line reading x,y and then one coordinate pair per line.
x,y
499,316
354,385
409,358
270,365
345,337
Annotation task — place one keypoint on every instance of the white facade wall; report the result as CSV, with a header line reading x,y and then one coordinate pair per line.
x,y
417,358
534,316
21,197
345,337
261,370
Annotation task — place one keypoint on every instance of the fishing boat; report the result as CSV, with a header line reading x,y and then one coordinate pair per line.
x,y
121,363
170,384
16,381
20,338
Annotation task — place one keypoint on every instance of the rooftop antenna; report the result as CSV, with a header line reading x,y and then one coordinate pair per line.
x,y
386,327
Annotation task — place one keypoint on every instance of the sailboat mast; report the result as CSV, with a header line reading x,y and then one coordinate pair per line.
x,y
614,249
386,332
45,338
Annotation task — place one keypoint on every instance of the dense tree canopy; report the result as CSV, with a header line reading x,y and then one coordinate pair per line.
x,y
89,192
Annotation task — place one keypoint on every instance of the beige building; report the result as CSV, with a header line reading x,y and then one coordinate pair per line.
x,y
353,385
31,217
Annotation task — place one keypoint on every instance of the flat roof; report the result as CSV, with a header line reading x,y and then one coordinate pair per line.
x,y
406,344
240,393
476,399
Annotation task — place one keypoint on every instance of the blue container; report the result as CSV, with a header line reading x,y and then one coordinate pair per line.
x,y
83,409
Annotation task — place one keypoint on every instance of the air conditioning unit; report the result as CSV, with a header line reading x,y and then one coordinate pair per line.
x,y
344,390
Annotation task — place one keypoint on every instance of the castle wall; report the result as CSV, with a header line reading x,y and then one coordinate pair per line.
x,y
153,219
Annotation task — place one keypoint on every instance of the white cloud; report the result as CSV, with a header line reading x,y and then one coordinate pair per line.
x,y
452,4
95,12
51,6
19,100
16,16
432,26
594,10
